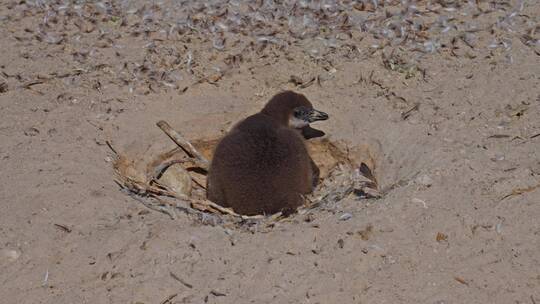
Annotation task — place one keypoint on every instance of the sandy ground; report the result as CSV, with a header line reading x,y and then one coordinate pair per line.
x,y
462,226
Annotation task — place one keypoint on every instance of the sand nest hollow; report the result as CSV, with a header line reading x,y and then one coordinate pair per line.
x,y
175,180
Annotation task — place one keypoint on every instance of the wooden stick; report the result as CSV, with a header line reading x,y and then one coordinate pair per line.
x,y
183,143
158,170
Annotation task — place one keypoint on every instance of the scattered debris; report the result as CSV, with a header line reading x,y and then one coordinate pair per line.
x,y
408,113
64,228
520,191
499,136
11,254
29,84
31,131
174,276
404,32
3,87
345,217
487,227
366,233
297,81
217,293
498,228
309,218
45,278
424,180
441,237
462,281
419,201
397,63
169,299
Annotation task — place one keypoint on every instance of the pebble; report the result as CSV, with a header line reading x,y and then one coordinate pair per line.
x,y
10,254
498,227
31,132
424,180
498,157
345,217
177,179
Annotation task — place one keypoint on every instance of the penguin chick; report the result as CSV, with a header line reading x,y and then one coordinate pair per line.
x,y
262,166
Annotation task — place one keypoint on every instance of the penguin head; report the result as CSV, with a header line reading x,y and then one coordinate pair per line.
x,y
293,110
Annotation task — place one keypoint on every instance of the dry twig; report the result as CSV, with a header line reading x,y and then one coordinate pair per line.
x,y
183,143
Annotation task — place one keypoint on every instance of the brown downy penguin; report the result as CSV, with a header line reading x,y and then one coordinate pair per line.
x,y
262,166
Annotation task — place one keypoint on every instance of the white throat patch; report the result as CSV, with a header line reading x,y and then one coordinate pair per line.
x,y
297,123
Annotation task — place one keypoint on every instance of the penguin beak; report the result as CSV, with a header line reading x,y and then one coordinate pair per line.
x,y
316,115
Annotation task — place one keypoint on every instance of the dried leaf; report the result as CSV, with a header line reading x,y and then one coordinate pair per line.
x,y
63,228
462,281
520,191
3,87
366,233
441,237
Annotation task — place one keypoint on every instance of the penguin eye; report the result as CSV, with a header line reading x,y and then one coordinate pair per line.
x,y
299,112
